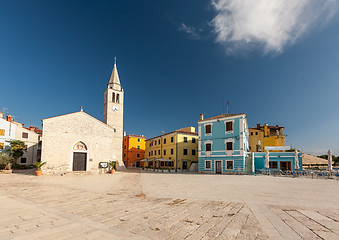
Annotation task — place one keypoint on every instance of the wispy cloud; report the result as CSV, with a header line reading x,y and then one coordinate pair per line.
x,y
191,31
269,25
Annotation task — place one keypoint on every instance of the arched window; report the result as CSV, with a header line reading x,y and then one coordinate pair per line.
x,y
117,98
113,97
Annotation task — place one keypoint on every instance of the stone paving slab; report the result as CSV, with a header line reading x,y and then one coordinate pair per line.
x,y
62,208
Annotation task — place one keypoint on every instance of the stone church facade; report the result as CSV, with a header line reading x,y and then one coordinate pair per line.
x,y
79,142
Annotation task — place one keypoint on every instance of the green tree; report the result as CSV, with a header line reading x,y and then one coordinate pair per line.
x,y
16,151
6,160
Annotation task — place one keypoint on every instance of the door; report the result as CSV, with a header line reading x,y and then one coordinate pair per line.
x,y
79,161
285,166
184,165
218,167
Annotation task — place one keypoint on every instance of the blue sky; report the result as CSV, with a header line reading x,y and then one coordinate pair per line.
x,y
278,63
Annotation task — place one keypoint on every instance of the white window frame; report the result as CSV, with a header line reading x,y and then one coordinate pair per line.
x,y
226,141
226,164
232,126
208,134
210,165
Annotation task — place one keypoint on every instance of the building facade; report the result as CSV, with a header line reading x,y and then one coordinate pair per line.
x,y
11,130
175,150
265,136
80,142
134,150
7,132
223,144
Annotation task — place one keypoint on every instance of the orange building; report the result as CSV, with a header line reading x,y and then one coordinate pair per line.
x,y
134,150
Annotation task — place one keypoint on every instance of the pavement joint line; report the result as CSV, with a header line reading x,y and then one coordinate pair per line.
x,y
118,234
266,225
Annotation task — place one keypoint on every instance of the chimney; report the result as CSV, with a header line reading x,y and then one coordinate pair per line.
x,y
201,116
1,114
31,128
258,126
9,118
124,133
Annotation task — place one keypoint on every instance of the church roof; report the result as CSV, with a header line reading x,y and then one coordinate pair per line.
x,y
114,81
83,114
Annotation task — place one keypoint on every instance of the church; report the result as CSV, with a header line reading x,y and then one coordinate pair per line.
x,y
79,142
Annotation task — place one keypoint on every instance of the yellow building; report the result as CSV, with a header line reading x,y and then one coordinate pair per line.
x,y
174,150
265,136
134,150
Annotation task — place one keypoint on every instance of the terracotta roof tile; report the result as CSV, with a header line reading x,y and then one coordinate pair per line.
x,y
222,116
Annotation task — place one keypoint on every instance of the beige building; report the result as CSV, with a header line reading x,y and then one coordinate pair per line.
x,y
80,142
175,150
31,140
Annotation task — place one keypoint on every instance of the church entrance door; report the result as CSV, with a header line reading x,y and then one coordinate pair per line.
x,y
79,161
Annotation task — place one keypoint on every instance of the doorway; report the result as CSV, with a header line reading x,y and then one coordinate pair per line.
x,y
184,165
218,168
79,161
285,166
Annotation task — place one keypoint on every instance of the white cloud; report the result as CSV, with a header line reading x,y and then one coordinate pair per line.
x,y
191,31
270,25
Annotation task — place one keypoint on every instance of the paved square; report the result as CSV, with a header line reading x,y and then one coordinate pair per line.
x,y
175,206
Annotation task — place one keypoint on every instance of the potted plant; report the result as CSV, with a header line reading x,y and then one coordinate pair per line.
x,y
112,164
38,165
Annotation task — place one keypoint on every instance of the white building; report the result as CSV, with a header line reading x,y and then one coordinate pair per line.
x,y
7,132
10,130
80,142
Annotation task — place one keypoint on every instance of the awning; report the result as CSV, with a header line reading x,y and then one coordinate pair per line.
x,y
163,160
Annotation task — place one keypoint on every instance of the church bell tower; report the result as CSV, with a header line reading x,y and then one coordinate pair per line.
x,y
114,108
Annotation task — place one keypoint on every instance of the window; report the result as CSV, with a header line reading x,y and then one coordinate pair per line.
x,y
138,139
23,160
164,140
124,154
24,135
155,142
208,164
125,139
273,164
250,147
208,129
117,101
172,139
158,152
185,139
229,126
251,133
138,155
2,145
208,147
229,146
138,147
256,133
149,154
229,165
159,141
193,140
150,144
185,151
113,97
193,152
2,132
172,151
164,152
125,146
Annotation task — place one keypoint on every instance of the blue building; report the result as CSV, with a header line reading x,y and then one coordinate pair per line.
x,y
223,144
277,161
